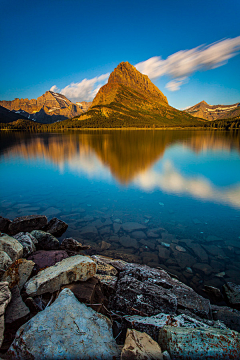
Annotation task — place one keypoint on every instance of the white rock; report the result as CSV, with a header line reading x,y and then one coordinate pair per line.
x,y
75,268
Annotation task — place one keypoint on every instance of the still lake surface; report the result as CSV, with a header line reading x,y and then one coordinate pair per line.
x,y
182,188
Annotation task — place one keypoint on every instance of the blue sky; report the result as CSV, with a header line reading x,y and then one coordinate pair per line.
x,y
60,42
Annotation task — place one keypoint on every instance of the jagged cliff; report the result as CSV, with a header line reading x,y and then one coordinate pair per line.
x,y
214,112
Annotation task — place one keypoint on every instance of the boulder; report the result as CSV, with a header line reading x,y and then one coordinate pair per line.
x,y
65,272
27,223
232,293
140,346
28,242
104,268
205,269
133,226
44,259
16,309
72,246
56,227
5,298
200,343
18,273
4,224
79,332
213,293
116,263
46,241
5,262
108,283
230,317
11,246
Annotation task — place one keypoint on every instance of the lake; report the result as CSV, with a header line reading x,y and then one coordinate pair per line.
x,y
168,199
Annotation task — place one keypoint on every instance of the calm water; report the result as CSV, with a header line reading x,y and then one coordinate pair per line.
x,y
182,187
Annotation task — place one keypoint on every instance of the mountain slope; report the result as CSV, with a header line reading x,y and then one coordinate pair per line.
x,y
8,115
130,99
214,112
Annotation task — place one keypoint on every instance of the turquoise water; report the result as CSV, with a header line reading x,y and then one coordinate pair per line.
x,y
182,187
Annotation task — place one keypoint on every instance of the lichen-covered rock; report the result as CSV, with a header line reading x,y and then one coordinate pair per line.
x,y
65,272
72,246
16,309
65,330
200,343
27,223
18,273
28,242
232,293
140,346
46,241
11,246
56,227
5,298
44,259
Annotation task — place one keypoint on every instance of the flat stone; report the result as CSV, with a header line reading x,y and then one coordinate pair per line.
x,y
51,211
18,273
151,234
140,346
11,246
180,248
163,253
27,223
128,242
16,309
138,235
28,242
46,241
184,259
198,251
89,231
77,330
232,293
214,250
5,298
133,226
199,343
105,231
56,227
149,243
116,227
4,224
203,268
116,263
75,268
44,259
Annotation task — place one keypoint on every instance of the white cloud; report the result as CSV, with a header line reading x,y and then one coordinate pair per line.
x,y
54,88
185,62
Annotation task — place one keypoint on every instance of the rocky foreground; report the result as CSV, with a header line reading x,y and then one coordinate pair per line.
x,y
58,303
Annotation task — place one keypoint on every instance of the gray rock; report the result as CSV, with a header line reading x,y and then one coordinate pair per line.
x,y
16,309
56,227
116,227
133,226
128,242
11,246
232,293
46,241
89,231
214,293
163,253
5,298
184,259
138,235
215,251
230,317
79,332
18,273
4,224
197,249
28,242
200,343
27,223
203,268
140,346
69,270
72,246
51,211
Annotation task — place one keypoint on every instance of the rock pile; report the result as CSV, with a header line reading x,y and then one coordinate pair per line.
x,y
57,302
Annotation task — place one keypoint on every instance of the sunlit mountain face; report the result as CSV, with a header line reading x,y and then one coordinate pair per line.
x,y
184,186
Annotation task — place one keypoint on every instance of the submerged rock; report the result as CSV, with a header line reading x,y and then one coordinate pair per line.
x,y
68,330
11,246
27,223
199,343
69,270
72,246
232,293
140,346
46,241
133,226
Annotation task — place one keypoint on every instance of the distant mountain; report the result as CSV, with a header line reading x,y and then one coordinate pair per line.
x,y
8,115
214,112
130,99
48,108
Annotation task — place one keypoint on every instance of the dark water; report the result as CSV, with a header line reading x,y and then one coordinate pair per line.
x,y
182,187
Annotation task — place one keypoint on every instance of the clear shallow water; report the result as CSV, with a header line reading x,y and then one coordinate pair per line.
x,y
183,186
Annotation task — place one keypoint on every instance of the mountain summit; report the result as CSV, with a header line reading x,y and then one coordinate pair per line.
x,y
214,112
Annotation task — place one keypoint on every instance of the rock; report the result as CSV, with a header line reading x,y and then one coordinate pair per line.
x,y
27,223
69,270
46,241
215,251
151,291
116,227
180,248
72,246
83,290
184,259
104,268
213,293
128,242
56,227
89,231
232,293
197,249
203,268
140,346
16,309
11,246
51,211
105,231
105,245
108,283
28,242
5,261
133,226
199,343
163,253
151,234
78,331
150,244
18,273
5,298
116,263
4,224
44,259
230,317
138,235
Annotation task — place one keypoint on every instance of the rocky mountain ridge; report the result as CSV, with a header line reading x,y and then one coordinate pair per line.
x,y
214,112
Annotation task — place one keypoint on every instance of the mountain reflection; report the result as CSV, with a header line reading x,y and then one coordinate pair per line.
x,y
129,156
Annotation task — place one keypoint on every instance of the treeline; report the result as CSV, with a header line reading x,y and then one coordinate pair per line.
x,y
226,124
